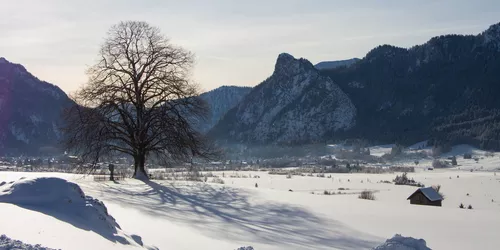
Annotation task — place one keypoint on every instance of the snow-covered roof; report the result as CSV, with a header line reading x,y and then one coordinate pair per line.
x,y
430,193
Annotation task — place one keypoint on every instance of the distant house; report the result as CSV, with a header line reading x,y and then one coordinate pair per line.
x,y
426,196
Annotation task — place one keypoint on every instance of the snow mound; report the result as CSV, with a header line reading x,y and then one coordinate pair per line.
x,y
399,242
55,194
67,202
7,244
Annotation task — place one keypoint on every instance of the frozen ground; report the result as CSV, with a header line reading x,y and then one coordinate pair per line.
x,y
280,214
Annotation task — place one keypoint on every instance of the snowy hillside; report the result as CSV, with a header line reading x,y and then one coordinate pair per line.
x,y
30,111
441,90
295,104
221,100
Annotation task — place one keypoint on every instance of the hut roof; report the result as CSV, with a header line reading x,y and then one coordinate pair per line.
x,y
430,193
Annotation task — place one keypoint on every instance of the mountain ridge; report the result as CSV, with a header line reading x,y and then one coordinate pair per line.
x,y
30,111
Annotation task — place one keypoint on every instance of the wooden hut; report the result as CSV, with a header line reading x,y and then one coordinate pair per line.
x,y
426,196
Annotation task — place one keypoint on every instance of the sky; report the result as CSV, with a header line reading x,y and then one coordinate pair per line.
x,y
236,42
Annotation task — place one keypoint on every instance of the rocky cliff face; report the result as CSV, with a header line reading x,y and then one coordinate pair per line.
x,y
296,104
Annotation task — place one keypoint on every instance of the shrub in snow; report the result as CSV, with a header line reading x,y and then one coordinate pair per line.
x,y
461,205
404,180
245,248
469,207
467,156
399,242
217,180
6,244
439,164
367,195
326,192
454,161
489,154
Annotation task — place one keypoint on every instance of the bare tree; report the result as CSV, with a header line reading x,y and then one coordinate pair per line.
x,y
138,101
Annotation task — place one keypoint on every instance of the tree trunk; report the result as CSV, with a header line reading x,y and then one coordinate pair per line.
x,y
139,169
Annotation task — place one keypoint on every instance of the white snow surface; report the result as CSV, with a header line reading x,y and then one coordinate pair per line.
x,y
399,242
192,215
66,202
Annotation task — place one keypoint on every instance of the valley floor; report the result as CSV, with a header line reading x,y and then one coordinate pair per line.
x,y
189,215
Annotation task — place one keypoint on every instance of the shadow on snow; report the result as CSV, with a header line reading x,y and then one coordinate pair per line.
x,y
225,212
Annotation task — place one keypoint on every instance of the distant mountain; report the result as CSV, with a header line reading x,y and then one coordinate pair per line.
x,y
220,101
296,104
335,64
30,111
447,89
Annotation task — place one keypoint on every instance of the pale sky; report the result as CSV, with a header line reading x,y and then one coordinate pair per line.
x,y
235,42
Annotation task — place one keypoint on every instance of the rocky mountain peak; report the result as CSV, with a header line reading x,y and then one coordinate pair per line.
x,y
296,104
492,36
287,65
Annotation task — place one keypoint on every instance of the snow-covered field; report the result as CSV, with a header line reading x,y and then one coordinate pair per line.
x,y
280,213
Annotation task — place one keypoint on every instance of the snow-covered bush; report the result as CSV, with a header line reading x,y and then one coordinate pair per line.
x,y
467,156
367,195
399,242
7,243
439,164
217,180
245,248
404,180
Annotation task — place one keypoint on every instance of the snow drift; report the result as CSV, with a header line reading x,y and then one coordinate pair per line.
x,y
399,242
67,202
54,194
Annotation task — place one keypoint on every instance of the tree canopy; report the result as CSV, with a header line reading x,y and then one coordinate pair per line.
x,y
138,101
